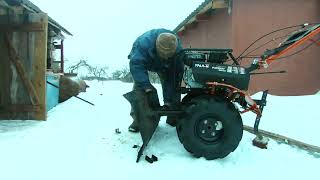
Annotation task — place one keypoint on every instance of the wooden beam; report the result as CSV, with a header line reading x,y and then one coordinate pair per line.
x,y
284,139
19,108
40,66
58,46
191,25
202,17
219,4
15,59
31,27
5,73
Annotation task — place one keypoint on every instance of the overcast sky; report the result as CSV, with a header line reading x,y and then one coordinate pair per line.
x,y
104,30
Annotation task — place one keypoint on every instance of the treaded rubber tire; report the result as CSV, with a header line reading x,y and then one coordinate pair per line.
x,y
210,107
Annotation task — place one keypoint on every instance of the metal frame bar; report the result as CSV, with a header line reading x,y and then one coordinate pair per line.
x,y
297,43
253,106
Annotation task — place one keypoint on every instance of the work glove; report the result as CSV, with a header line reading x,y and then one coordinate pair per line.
x,y
152,97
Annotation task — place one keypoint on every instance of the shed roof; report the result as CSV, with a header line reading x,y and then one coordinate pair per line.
x,y
30,6
204,7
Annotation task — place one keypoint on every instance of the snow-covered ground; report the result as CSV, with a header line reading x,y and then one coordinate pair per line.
x,y
78,141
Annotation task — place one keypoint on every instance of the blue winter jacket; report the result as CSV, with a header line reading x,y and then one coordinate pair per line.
x,y
143,58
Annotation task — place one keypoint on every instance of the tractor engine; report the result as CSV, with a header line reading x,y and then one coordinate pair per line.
x,y
210,65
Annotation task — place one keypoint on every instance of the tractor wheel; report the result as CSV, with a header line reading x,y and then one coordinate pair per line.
x,y
211,128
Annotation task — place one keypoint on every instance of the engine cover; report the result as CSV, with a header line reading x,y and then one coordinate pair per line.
x,y
236,76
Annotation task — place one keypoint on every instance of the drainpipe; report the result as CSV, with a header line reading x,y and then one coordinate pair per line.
x,y
62,57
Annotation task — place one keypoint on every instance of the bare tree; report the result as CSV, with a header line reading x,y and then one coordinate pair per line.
x,y
122,74
81,63
94,72
116,75
98,72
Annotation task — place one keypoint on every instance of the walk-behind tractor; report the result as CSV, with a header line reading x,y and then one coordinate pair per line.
x,y
210,124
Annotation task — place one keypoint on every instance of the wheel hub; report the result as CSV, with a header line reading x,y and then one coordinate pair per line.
x,y
209,129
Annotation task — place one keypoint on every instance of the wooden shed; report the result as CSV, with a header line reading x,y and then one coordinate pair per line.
x,y
236,24
28,40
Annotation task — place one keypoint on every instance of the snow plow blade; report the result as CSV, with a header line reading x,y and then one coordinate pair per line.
x,y
143,105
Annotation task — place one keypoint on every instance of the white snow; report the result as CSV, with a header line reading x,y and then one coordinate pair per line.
x,y
78,141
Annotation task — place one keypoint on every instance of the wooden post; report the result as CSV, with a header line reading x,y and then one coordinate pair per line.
x,y
32,27
39,67
5,76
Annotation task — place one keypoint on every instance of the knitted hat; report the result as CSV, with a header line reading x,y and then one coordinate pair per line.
x,y
166,45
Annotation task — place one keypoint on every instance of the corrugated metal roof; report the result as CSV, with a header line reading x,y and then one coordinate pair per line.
x,y
192,15
29,5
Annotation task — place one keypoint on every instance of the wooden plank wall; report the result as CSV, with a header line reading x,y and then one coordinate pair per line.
x,y
40,66
27,47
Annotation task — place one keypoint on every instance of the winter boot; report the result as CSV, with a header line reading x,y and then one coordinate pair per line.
x,y
171,120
